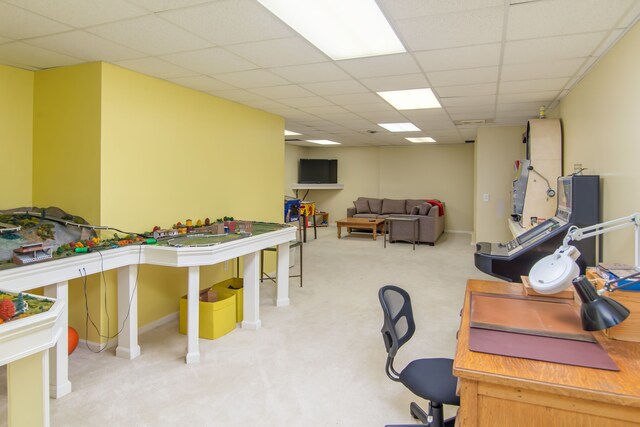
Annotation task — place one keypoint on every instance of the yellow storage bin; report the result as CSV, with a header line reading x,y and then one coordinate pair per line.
x,y
234,285
216,318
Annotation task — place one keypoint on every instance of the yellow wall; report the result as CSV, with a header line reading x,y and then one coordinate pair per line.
x,y
497,149
66,140
16,133
170,153
442,172
601,124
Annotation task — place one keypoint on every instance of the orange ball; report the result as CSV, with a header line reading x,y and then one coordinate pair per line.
x,y
72,340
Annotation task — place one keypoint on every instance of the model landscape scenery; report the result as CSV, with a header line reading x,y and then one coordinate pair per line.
x,y
16,306
31,235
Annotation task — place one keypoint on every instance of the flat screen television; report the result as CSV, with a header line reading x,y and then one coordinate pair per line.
x,y
318,171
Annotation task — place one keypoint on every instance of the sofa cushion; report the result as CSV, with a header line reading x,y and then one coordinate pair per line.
x,y
411,203
392,206
365,215
375,205
362,205
424,208
415,210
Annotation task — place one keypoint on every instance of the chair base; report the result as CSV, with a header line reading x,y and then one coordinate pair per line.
x,y
435,417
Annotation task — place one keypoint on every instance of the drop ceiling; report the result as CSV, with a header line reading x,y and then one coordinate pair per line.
x,y
488,61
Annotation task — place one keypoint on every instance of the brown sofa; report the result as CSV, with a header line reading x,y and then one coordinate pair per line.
x,y
430,221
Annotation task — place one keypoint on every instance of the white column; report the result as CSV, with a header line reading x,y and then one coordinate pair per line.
x,y
128,347
193,315
282,275
252,291
59,384
28,390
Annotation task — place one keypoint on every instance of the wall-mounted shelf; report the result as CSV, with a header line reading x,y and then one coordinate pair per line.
x,y
317,186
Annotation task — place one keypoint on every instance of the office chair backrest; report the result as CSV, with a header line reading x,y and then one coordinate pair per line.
x,y
399,325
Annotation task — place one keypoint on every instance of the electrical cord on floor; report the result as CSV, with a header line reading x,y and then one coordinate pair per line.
x,y
83,274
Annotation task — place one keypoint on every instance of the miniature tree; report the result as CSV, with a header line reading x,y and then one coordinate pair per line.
x,y
199,223
7,309
207,222
20,305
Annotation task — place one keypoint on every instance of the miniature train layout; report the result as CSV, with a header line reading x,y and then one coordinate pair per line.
x,y
17,306
32,235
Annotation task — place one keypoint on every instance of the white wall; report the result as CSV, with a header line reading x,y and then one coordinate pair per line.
x,y
442,172
497,148
601,124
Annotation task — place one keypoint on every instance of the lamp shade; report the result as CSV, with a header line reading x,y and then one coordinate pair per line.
x,y
554,272
597,312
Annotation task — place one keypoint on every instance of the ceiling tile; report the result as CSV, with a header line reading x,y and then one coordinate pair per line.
x,y
161,5
521,107
377,66
402,9
405,81
544,19
461,57
81,44
16,23
82,13
311,73
202,83
551,48
309,101
467,90
467,100
280,92
464,76
214,60
327,109
353,98
541,70
156,67
252,78
264,104
236,21
363,108
473,27
151,35
238,95
542,97
473,116
35,57
335,88
383,116
611,39
279,52
484,109
540,85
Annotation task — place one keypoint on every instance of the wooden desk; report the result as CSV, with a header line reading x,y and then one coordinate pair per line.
x,y
507,391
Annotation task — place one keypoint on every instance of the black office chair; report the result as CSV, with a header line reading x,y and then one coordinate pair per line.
x,y
297,244
431,379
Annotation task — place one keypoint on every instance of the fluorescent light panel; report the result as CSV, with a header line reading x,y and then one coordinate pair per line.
x,y
323,142
289,132
399,127
421,139
411,99
341,29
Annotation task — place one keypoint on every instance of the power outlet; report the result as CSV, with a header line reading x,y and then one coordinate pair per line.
x,y
485,197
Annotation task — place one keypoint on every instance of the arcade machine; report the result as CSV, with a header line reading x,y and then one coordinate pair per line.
x,y
578,204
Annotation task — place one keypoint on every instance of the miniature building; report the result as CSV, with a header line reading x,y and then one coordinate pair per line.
x,y
28,254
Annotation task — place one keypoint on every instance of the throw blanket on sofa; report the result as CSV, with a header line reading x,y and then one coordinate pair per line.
x,y
439,204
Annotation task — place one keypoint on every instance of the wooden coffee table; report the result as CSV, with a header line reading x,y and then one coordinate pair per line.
x,y
374,224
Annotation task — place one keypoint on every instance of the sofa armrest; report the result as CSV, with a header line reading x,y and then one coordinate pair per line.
x,y
351,212
434,211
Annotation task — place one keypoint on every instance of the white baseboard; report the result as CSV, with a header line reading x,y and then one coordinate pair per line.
x,y
458,231
146,328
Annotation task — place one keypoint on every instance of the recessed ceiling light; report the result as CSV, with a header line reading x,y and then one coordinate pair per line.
x,y
323,142
341,29
421,139
399,127
411,99
289,132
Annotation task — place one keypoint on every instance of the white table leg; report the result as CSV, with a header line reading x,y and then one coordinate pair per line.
x,y
252,291
128,347
282,275
59,384
28,390
193,315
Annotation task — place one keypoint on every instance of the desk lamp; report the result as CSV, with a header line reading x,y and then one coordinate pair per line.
x,y
558,271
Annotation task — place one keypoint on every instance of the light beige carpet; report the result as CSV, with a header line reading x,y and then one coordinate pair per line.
x,y
318,362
